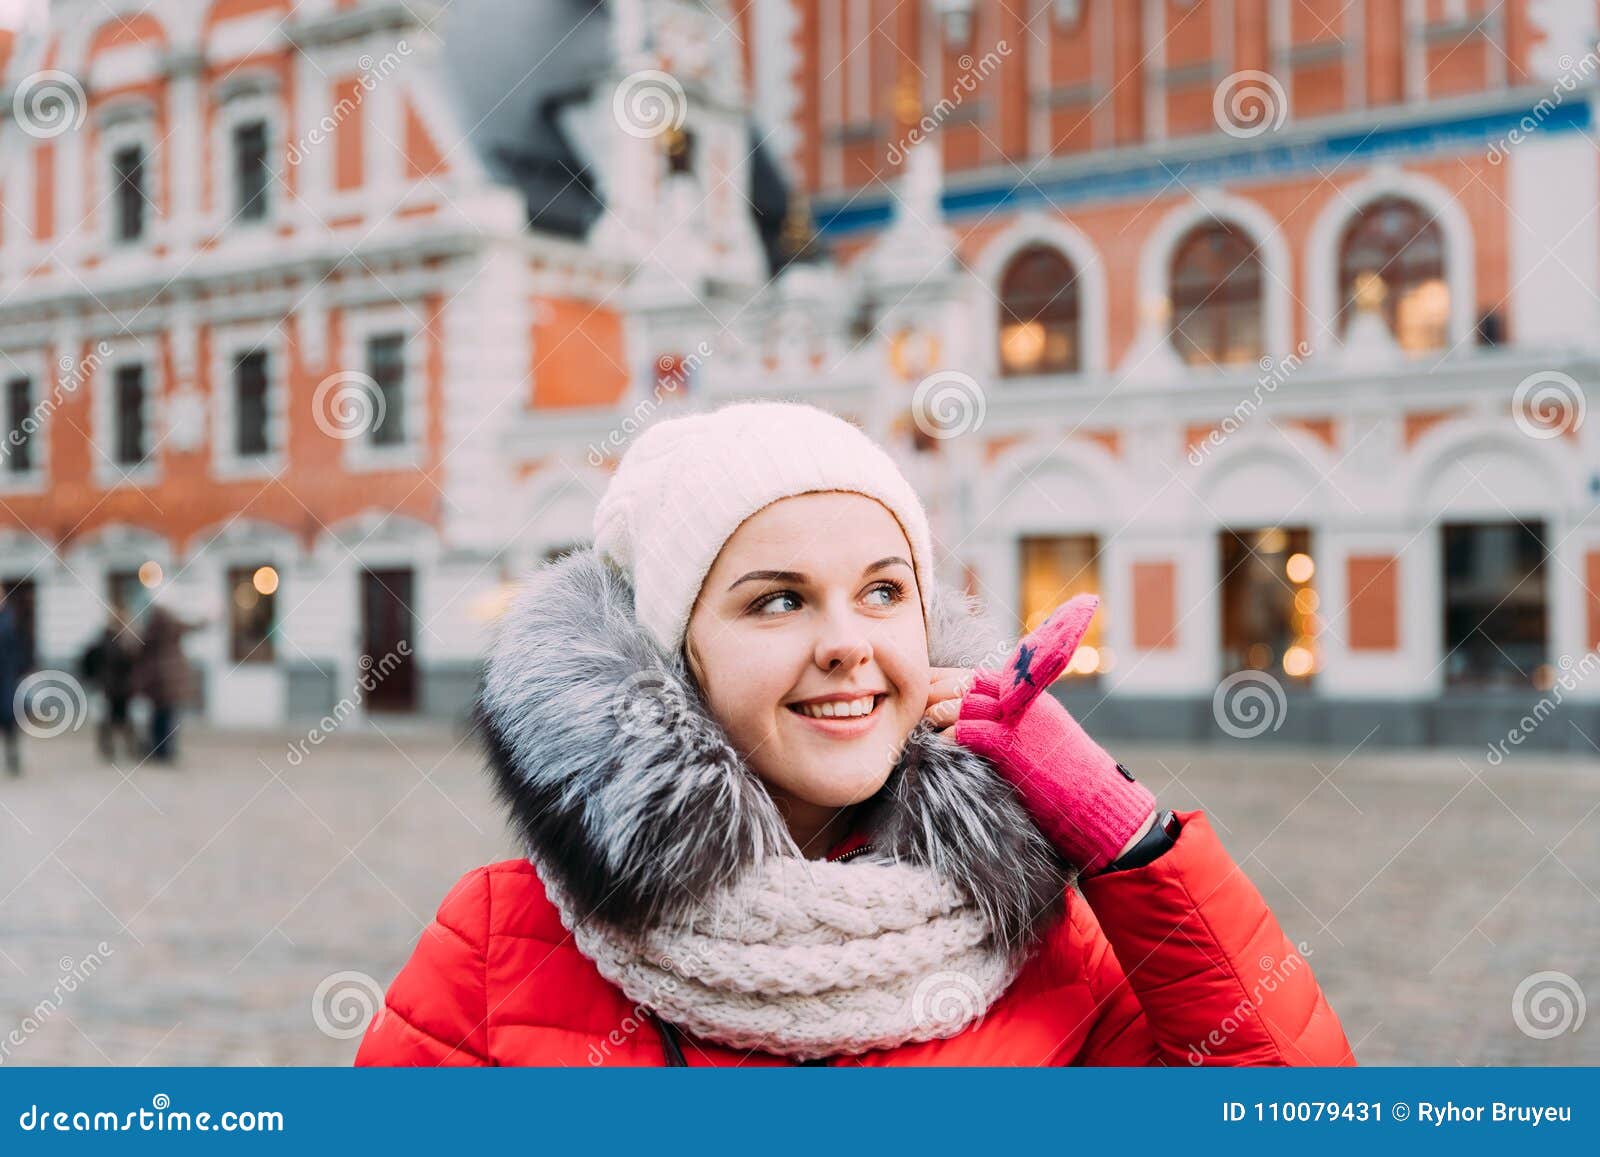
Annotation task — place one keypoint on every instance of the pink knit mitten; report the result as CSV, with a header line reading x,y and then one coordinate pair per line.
x,y
1086,802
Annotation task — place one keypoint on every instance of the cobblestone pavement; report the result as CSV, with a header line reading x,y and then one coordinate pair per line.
x,y
189,917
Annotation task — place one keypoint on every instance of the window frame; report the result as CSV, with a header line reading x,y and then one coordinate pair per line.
x,y
122,354
1345,275
1007,316
265,652
34,366
229,343
1188,241
245,99
129,126
361,326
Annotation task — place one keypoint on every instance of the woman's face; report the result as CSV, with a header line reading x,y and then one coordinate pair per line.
x,y
814,600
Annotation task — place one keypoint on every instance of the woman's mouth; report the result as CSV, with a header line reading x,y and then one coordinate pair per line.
x,y
841,718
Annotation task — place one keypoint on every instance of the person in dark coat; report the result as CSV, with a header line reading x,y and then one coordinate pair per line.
x,y
11,661
163,676
109,665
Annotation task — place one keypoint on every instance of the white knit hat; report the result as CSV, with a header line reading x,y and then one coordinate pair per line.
x,y
686,484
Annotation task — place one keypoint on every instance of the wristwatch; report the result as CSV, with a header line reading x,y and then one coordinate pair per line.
x,y
1161,836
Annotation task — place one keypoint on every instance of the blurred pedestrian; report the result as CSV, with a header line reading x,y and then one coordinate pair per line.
x,y
11,661
108,664
163,676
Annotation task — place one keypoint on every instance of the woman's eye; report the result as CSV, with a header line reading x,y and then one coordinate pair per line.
x,y
762,606
893,590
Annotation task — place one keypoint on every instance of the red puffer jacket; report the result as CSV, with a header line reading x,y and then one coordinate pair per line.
x,y
1178,962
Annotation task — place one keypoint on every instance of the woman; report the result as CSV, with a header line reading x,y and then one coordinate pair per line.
x,y
772,815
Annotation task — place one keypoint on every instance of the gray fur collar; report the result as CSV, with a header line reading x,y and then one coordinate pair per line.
x,y
624,787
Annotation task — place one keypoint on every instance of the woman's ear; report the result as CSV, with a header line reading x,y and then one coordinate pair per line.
x,y
692,661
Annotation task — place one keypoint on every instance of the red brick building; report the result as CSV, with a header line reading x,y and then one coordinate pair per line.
x,y
1271,320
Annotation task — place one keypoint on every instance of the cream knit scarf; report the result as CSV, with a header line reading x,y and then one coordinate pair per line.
x,y
810,958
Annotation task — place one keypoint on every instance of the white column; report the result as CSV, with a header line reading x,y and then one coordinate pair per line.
x,y
187,148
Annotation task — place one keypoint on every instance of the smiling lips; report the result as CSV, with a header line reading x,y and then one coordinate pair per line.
x,y
840,717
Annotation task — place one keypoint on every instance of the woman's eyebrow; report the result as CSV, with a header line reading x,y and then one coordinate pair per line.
x,y
792,576
890,561
777,576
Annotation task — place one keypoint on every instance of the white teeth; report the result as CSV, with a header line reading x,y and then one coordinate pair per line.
x,y
834,710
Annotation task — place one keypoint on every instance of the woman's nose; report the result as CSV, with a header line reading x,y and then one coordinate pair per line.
x,y
843,649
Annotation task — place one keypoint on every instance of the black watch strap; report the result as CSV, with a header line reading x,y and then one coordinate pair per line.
x,y
1161,836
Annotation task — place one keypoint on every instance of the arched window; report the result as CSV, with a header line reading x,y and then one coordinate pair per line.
x,y
1392,253
1039,314
1216,296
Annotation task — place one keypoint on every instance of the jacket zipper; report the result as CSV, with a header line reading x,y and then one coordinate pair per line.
x,y
852,852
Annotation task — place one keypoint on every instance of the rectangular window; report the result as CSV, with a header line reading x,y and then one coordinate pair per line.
x,y
124,589
1268,602
250,171
250,438
127,180
128,440
1495,605
386,365
252,613
16,453
1054,569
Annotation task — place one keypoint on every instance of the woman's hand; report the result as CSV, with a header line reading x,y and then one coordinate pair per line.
x,y
945,690
1086,802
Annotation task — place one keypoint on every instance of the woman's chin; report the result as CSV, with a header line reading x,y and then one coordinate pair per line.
x,y
836,787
